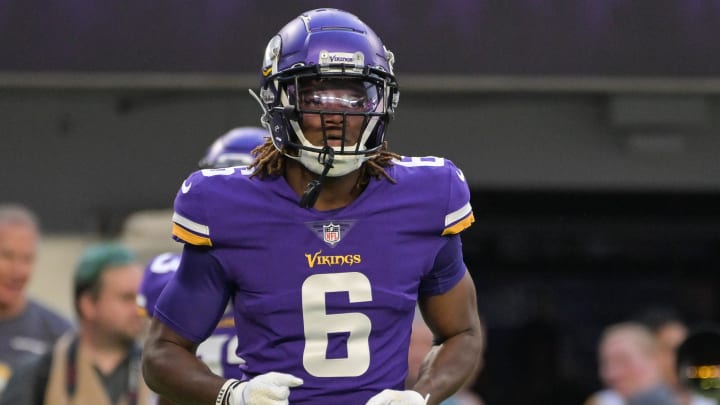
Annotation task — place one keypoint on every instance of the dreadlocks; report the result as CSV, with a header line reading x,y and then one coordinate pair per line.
x,y
270,162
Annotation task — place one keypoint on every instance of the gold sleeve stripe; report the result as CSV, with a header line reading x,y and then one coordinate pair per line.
x,y
460,226
190,237
228,322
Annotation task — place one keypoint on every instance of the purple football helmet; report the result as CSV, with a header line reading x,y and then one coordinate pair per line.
x,y
234,148
327,48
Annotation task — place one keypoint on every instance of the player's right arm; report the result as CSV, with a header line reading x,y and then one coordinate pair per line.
x,y
170,366
171,369
189,309
185,314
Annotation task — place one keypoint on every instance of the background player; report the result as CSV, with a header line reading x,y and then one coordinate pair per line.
x,y
233,148
323,289
218,350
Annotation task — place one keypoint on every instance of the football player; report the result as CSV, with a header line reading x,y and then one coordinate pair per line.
x,y
323,245
234,148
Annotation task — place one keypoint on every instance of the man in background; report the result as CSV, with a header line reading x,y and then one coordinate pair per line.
x,y
100,364
27,328
629,368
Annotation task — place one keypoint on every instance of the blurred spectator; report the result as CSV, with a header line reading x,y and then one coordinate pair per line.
x,y
421,343
100,364
629,368
27,328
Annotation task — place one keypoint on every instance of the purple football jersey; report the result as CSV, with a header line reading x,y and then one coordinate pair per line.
x,y
328,296
158,272
218,351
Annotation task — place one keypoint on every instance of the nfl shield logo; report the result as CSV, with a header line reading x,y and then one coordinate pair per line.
x,y
331,233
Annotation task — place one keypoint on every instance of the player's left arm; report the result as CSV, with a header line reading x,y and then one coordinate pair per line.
x,y
459,342
448,303
446,297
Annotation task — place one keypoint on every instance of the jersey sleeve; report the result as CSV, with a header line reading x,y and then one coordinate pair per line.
x,y
190,216
442,193
194,299
439,182
459,214
448,268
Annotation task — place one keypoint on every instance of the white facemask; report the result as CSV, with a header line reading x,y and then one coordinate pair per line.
x,y
342,164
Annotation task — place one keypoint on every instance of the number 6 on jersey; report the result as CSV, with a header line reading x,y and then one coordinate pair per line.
x,y
318,324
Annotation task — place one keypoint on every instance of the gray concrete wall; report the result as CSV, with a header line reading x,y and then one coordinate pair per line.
x,y
84,159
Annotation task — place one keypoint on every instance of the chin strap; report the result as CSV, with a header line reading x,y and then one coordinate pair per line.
x,y
312,190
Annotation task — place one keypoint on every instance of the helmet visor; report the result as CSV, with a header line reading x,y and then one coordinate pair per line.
x,y
344,95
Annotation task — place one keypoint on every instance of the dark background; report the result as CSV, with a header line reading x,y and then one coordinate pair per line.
x,y
596,197
554,267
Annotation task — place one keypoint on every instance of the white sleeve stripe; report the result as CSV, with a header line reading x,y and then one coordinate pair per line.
x,y
191,225
459,214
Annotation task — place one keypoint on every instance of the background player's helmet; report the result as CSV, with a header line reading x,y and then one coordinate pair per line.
x,y
327,44
698,362
234,148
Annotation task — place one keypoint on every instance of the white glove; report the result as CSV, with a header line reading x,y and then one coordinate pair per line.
x,y
266,389
394,397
